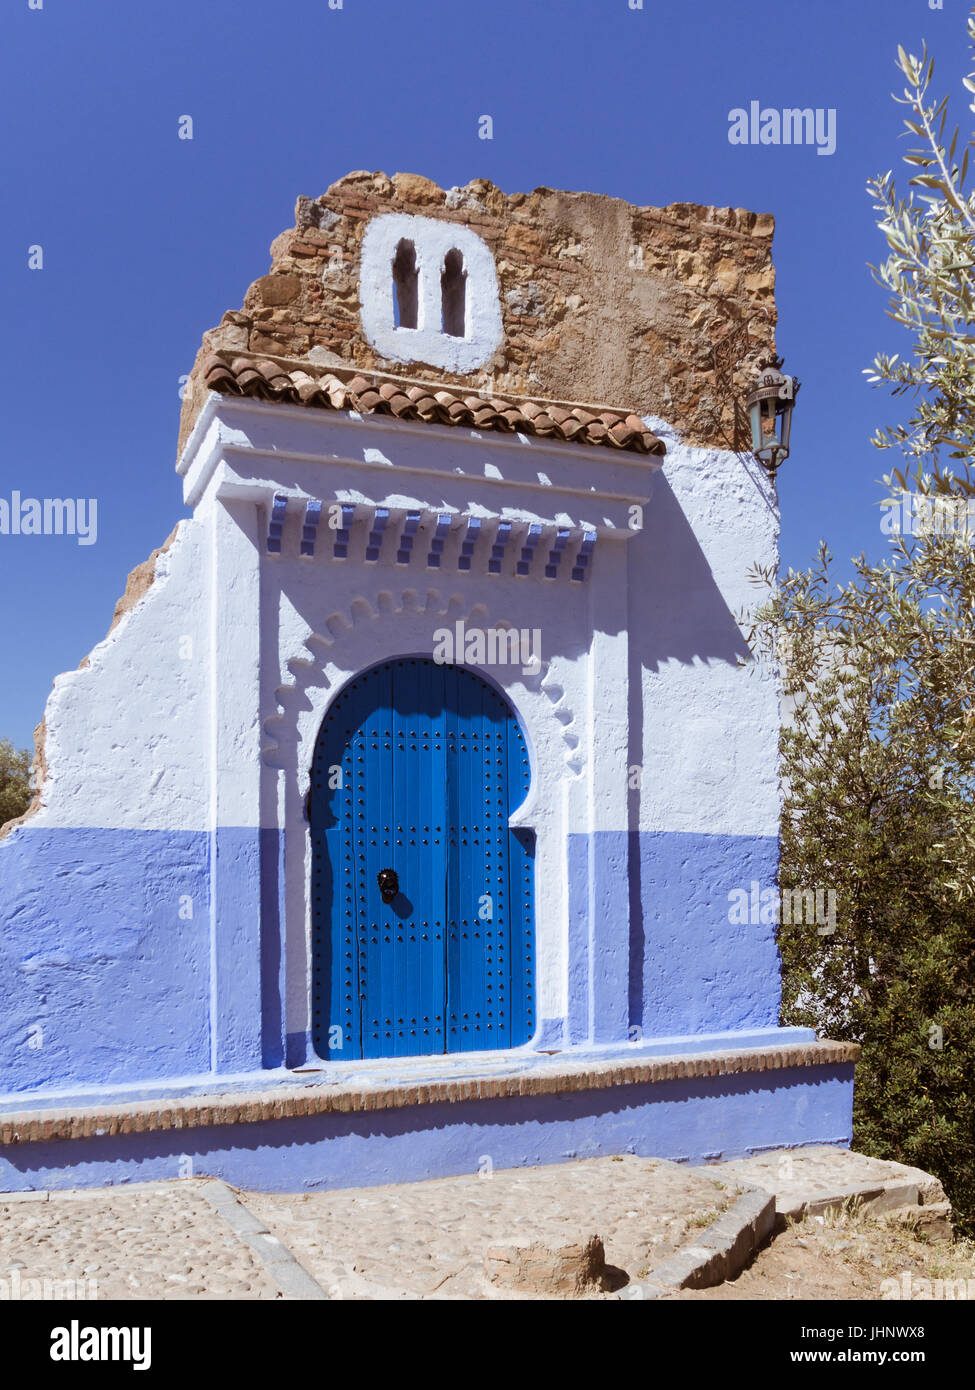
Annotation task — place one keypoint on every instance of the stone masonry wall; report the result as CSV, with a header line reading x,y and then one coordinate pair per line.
x,y
661,311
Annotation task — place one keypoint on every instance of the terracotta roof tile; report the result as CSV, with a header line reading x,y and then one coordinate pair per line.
x,y
303,383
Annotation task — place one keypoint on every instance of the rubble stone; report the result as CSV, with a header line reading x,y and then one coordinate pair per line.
x,y
567,1272
632,278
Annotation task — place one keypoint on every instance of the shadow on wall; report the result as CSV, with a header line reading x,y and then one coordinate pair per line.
x,y
684,616
679,882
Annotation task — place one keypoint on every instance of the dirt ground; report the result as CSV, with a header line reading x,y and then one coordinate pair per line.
x,y
847,1256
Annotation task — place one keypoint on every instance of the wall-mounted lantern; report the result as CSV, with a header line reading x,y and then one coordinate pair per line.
x,y
770,403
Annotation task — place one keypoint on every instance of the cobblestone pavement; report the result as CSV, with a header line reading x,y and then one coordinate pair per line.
x,y
195,1239
151,1242
428,1239
415,1240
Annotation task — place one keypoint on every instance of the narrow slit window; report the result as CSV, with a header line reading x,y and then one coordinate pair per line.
x,y
453,290
406,278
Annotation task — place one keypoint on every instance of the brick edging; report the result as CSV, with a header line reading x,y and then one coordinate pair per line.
x,y
287,1102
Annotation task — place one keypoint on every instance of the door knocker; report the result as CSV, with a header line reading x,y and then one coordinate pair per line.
x,y
388,881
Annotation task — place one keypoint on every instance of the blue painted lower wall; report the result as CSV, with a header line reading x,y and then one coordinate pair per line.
x,y
687,968
697,970
130,956
693,1121
104,956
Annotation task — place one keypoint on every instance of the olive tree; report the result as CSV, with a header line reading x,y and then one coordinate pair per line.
x,y
878,749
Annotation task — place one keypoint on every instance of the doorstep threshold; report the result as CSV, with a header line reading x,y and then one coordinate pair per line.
x,y
391,1089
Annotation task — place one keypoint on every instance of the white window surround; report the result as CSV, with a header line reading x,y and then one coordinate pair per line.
x,y
427,342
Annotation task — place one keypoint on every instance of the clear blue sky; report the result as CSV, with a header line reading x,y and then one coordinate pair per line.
x,y
148,239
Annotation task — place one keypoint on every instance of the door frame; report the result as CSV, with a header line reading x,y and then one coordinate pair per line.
x,y
518,830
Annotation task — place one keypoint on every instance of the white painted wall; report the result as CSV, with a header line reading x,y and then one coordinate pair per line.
x,y
127,734
710,736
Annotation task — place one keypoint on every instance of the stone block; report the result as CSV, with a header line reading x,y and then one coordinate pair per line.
x,y
570,1271
932,1222
279,289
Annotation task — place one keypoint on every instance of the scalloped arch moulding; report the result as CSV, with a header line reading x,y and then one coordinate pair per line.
x,y
384,626
347,642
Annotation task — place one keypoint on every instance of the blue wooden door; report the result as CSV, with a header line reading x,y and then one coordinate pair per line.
x,y
417,769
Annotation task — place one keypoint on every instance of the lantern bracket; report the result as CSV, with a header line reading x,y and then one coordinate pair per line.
x,y
770,403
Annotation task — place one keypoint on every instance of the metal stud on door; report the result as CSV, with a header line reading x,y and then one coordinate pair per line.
x,y
422,896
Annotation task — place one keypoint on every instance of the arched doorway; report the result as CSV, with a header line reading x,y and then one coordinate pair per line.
x,y
422,897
